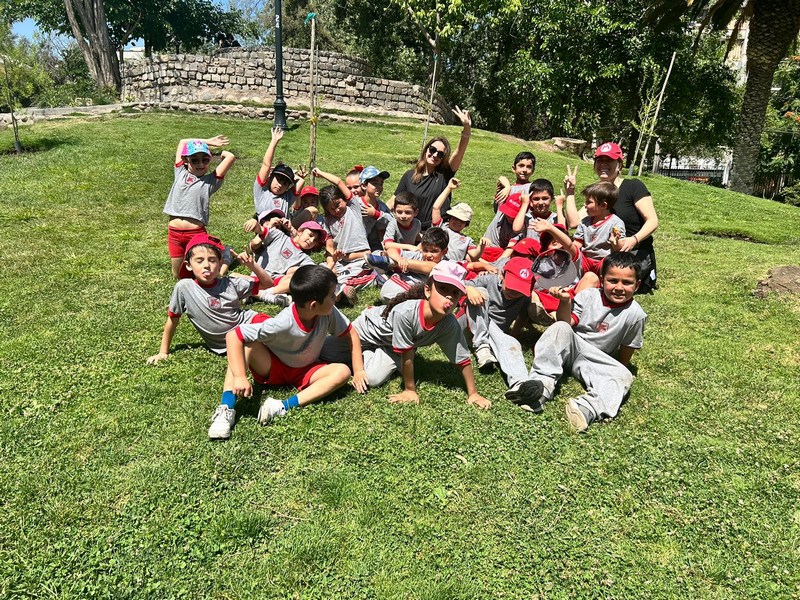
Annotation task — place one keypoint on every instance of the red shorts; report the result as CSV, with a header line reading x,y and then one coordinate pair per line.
x,y
178,239
281,374
492,253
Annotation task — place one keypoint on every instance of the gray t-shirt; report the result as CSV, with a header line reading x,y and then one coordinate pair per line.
x,y
189,195
280,253
501,231
530,232
213,310
264,199
404,329
459,244
348,230
401,235
501,311
608,326
289,340
595,236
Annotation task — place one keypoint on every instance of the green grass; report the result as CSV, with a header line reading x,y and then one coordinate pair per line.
x,y
109,487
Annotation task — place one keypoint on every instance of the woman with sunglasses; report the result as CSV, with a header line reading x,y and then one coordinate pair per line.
x,y
192,186
435,167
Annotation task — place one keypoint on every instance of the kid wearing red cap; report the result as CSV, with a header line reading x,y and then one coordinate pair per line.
x,y
305,207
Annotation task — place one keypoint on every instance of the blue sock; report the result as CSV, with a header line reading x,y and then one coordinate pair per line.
x,y
228,398
291,403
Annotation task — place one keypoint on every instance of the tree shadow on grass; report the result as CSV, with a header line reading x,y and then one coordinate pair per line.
x,y
35,145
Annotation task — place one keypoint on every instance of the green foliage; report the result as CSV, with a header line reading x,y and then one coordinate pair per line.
x,y
780,139
23,77
110,488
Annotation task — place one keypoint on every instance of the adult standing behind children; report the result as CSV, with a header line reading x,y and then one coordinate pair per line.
x,y
634,206
435,167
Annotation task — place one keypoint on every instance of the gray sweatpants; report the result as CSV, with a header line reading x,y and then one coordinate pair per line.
x,y
606,379
379,363
506,349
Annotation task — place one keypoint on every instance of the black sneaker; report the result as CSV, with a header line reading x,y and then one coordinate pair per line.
x,y
529,395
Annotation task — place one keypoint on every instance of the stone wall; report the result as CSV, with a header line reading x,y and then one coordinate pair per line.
x,y
239,75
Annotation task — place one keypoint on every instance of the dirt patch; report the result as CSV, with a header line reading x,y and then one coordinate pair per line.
x,y
780,280
731,235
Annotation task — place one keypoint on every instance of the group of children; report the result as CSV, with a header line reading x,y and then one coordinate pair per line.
x,y
436,286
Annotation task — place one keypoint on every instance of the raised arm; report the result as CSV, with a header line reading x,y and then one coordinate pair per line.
x,y
331,178
436,211
269,155
519,221
300,179
542,225
218,141
564,310
264,279
466,132
570,181
227,162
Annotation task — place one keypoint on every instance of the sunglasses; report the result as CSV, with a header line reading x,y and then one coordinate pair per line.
x,y
199,160
434,152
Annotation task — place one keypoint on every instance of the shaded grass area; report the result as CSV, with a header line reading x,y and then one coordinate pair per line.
x,y
110,487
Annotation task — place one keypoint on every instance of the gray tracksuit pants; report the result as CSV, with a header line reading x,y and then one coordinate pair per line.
x,y
506,349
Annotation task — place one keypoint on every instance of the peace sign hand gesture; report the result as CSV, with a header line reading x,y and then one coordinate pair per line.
x,y
570,180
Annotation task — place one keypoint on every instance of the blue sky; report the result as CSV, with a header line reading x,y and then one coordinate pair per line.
x,y
24,28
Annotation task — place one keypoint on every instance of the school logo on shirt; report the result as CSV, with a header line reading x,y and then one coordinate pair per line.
x,y
286,253
191,179
602,327
214,302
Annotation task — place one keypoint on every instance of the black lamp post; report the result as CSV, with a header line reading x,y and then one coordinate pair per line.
x,y
280,103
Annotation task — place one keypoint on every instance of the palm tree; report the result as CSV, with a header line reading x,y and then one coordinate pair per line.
x,y
774,25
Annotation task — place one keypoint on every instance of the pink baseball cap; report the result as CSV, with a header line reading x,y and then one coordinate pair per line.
x,y
511,206
309,189
312,225
518,275
609,149
268,214
451,273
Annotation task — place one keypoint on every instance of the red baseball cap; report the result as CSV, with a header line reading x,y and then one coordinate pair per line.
x,y
309,189
546,237
609,149
204,239
511,206
518,275
528,247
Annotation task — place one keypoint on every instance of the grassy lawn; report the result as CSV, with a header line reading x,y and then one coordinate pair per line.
x,y
110,488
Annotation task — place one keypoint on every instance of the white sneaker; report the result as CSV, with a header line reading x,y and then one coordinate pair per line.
x,y
270,409
485,357
279,299
221,422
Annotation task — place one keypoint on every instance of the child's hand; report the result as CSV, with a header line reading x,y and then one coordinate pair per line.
x,y
247,259
403,264
561,293
317,173
217,141
453,184
479,401
242,387
570,180
475,297
560,199
463,117
540,225
251,226
338,255
404,397
503,190
157,358
301,172
490,268
524,200
360,381
483,242
367,210
226,154
277,134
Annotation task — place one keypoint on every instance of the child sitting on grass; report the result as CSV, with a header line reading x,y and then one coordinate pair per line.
x,y
188,201
280,255
212,303
346,245
403,231
461,247
524,166
598,324
375,213
422,316
305,207
593,235
536,205
285,350
413,266
275,188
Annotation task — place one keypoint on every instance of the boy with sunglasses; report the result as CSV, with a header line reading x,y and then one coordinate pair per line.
x,y
188,200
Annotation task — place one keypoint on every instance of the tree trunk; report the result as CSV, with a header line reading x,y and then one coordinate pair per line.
x,y
774,26
87,19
